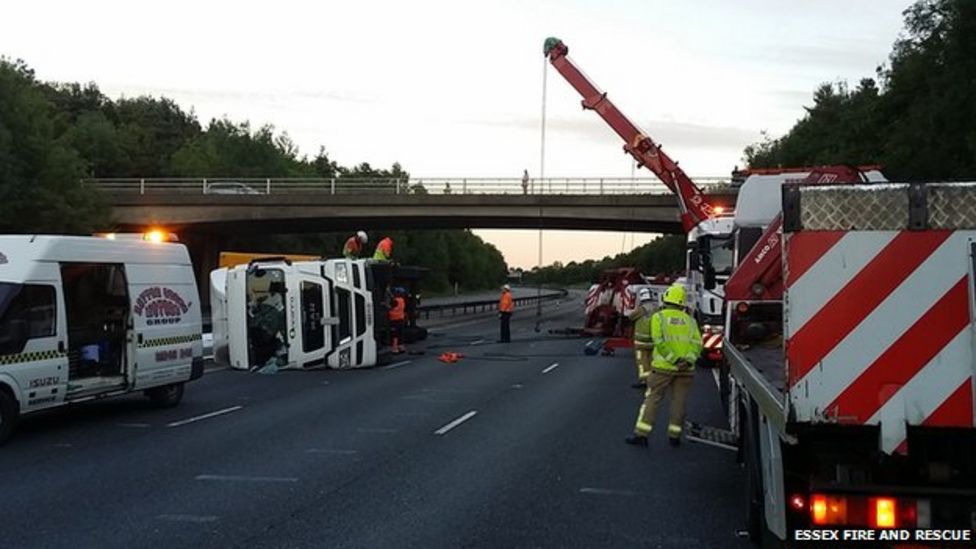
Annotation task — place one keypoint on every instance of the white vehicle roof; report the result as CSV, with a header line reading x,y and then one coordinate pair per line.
x,y
19,252
760,198
715,226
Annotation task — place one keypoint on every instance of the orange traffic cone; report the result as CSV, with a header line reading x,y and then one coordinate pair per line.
x,y
449,357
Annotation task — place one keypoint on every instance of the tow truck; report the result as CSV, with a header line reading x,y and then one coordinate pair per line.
x,y
850,346
708,227
309,314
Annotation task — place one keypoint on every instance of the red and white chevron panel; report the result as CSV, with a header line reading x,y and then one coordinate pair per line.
x,y
879,329
712,341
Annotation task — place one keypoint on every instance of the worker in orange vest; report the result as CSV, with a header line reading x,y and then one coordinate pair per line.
x,y
397,315
354,245
505,308
384,250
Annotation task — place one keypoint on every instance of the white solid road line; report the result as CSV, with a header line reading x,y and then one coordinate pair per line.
x,y
607,492
715,375
396,365
245,478
204,416
478,341
456,422
551,367
187,518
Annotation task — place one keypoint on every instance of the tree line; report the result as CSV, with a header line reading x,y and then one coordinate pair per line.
x,y
665,255
916,118
54,135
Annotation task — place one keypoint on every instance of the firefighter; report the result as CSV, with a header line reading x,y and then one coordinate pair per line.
x,y
641,317
354,245
396,316
384,250
677,343
505,308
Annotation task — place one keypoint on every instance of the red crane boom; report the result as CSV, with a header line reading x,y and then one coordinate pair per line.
x,y
691,200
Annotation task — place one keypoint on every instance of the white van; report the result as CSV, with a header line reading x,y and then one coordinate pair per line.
x,y
84,318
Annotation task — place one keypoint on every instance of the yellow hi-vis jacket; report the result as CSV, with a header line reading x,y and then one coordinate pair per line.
x,y
642,330
676,337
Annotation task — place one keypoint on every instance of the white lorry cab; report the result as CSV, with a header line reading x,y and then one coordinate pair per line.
x,y
273,312
84,318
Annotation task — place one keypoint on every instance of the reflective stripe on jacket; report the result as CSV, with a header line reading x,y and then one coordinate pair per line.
x,y
505,304
676,337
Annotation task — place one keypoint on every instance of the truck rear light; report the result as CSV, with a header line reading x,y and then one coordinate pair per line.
x,y
884,512
826,509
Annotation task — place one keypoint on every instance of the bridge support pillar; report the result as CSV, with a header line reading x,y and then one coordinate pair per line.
x,y
205,253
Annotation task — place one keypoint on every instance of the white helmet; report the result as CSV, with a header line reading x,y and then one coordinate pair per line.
x,y
644,295
361,236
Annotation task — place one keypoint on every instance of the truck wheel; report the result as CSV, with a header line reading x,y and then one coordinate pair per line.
x,y
755,507
9,413
166,396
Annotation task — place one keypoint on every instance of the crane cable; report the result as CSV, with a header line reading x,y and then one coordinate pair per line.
x,y
542,175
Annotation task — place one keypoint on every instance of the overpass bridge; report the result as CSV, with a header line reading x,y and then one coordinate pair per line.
x,y
240,206
204,211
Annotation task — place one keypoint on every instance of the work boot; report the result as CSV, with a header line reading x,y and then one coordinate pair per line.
x,y
674,441
636,440
639,385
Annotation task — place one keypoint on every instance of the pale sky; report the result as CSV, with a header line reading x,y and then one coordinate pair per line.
x,y
453,88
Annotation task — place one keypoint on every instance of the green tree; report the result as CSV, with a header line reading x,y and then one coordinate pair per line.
x,y
918,120
40,188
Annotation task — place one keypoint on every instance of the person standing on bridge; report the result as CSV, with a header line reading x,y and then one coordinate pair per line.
x,y
525,181
505,307
354,245
677,343
384,250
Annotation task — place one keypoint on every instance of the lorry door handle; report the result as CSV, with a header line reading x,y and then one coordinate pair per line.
x,y
60,346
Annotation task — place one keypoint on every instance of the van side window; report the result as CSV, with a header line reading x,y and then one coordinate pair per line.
x,y
27,311
313,332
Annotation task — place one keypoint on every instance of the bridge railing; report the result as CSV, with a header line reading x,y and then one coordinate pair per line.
x,y
415,185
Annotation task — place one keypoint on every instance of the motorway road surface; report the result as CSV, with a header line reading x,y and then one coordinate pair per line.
x,y
517,445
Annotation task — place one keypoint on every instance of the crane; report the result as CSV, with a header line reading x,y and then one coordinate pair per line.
x,y
692,203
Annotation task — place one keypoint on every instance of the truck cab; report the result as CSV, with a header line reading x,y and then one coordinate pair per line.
x,y
277,313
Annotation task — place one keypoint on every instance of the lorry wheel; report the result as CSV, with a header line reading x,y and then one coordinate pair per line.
x,y
166,396
755,522
9,412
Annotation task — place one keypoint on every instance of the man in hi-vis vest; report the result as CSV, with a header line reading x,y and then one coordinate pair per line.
x,y
641,317
677,344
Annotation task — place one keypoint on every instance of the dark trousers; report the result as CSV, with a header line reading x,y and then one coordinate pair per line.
x,y
506,334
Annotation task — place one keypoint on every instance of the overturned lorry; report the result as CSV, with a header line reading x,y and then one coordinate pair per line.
x,y
329,313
